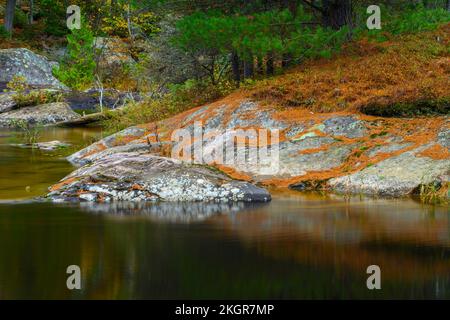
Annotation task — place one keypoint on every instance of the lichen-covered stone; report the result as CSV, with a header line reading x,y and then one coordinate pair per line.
x,y
372,157
444,138
389,148
346,126
144,177
7,103
109,145
396,176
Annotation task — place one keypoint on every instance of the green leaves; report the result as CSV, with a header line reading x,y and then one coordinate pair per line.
x,y
275,32
77,69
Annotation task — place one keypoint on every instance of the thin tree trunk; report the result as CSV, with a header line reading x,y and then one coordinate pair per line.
x,y
291,5
248,68
9,15
129,22
235,68
337,13
260,66
30,13
270,69
286,61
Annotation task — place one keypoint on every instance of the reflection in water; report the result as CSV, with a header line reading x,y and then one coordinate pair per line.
x,y
297,246
168,211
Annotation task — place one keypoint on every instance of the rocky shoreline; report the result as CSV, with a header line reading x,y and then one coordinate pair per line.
x,y
344,153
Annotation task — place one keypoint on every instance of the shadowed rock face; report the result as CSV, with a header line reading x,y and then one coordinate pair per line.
x,y
51,113
143,177
36,69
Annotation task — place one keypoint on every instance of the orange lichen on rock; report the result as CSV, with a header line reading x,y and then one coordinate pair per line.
x,y
233,173
436,152
63,183
98,148
137,187
314,150
123,140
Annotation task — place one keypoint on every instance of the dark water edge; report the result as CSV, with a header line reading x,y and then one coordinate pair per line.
x,y
296,247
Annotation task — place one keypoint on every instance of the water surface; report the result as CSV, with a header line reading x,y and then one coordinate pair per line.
x,y
298,246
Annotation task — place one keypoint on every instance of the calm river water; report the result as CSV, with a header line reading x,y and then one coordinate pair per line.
x,y
298,246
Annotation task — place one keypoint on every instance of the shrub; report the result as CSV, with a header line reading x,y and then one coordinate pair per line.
x,y
37,97
145,23
24,97
29,133
3,33
20,18
17,84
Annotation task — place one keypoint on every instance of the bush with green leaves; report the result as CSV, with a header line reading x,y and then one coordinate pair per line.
x,y
78,66
23,96
20,18
3,33
29,133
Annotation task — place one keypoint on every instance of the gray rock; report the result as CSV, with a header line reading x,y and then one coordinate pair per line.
x,y
36,69
7,103
295,130
113,145
81,160
444,138
389,148
396,176
144,177
248,115
346,126
51,113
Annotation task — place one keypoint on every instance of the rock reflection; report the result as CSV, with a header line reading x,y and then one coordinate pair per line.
x,y
185,212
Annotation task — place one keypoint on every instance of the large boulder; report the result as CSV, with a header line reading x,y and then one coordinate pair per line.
x,y
346,152
51,113
136,176
36,69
